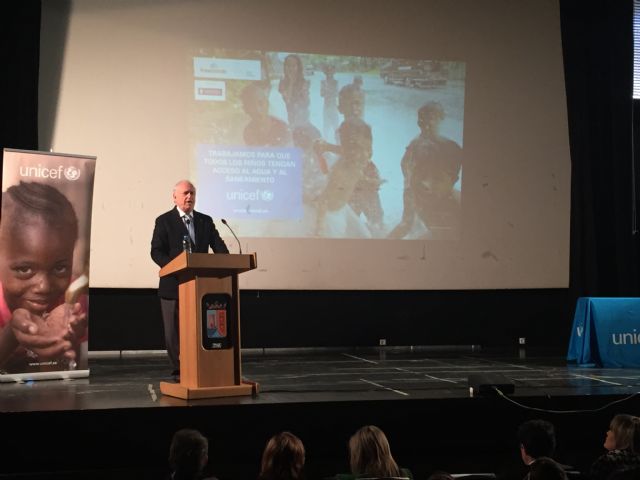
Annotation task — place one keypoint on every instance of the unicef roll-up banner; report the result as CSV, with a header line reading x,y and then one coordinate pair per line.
x,y
45,231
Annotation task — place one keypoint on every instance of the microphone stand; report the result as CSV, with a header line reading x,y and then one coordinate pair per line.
x,y
232,233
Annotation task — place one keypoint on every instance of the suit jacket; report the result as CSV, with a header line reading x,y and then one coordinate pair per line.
x,y
166,243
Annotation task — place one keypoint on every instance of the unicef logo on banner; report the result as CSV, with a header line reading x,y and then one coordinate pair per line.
x,y
72,173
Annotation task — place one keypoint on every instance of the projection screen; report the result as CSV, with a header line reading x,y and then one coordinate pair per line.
x,y
362,144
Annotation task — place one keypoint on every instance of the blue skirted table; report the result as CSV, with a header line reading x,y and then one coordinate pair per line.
x,y
606,332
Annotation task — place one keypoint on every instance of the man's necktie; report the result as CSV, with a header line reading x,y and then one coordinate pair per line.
x,y
189,224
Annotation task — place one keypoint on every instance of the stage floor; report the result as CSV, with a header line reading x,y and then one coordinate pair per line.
x,y
298,376
119,424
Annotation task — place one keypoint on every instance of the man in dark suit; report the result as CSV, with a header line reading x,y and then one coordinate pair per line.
x,y
167,243
537,440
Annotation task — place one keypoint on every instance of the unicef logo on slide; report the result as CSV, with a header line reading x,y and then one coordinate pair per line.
x,y
257,194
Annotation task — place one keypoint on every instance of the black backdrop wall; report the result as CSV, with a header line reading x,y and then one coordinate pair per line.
x,y
597,44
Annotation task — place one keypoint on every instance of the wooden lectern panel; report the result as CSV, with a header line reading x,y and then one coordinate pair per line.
x,y
214,371
200,367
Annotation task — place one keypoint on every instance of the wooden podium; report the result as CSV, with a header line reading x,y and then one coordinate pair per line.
x,y
209,309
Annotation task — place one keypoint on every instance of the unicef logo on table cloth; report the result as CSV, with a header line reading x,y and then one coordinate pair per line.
x,y
626,338
261,183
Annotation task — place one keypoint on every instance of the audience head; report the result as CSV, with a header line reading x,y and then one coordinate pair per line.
x,y
188,454
537,438
370,453
283,458
624,433
545,468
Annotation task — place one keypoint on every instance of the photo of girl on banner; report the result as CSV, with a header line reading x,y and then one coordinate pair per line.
x,y
44,238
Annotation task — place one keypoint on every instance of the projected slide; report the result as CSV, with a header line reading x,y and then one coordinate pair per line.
x,y
320,146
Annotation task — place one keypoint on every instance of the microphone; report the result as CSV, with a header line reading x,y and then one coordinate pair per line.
x,y
233,233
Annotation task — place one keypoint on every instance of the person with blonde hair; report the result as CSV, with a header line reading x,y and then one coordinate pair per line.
x,y
283,458
370,455
623,447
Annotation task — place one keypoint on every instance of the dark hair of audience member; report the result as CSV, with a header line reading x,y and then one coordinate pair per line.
x,y
545,468
283,458
538,437
626,430
370,453
625,473
188,454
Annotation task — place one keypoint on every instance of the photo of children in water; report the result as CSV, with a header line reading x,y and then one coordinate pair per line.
x,y
353,179
431,168
350,121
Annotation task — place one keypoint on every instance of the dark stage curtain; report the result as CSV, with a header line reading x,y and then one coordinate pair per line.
x,y
598,59
20,57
